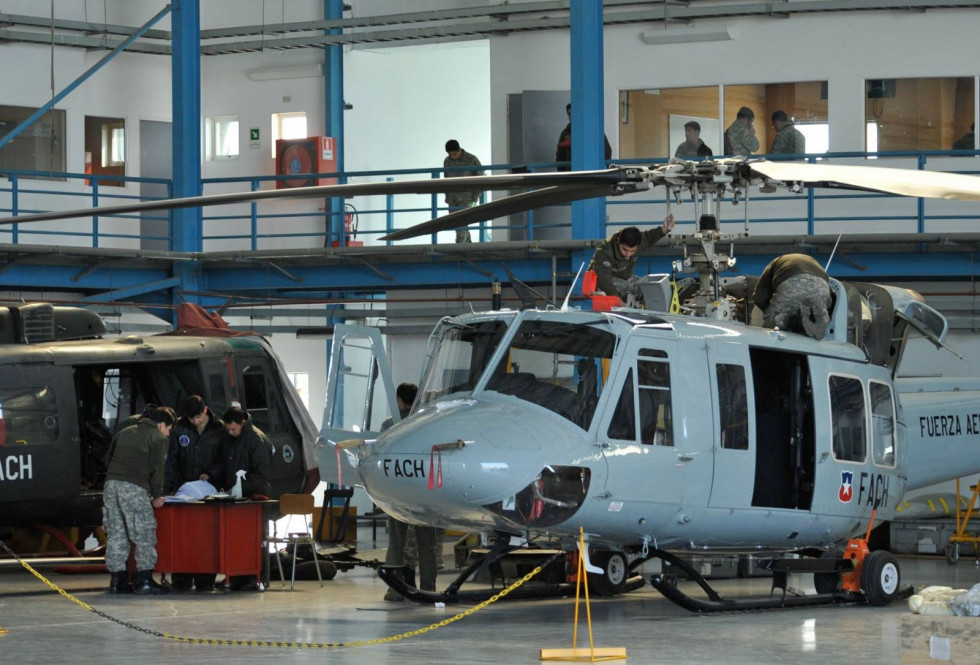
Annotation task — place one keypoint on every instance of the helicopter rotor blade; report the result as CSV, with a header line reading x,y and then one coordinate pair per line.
x,y
501,207
607,177
929,184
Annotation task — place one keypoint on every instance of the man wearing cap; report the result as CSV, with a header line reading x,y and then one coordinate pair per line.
x,y
693,146
740,136
457,157
789,140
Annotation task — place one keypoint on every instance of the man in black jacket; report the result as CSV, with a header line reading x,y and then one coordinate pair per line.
x,y
195,443
244,447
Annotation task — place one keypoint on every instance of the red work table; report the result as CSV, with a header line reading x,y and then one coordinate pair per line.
x,y
209,537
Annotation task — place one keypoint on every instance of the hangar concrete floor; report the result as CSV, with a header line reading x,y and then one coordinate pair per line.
x,y
40,626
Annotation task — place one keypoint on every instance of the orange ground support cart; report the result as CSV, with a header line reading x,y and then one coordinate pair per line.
x,y
963,515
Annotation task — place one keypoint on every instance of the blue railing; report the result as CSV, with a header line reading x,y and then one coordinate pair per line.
x,y
301,223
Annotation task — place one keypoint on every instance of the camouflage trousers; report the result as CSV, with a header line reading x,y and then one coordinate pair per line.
x,y
800,305
127,516
427,542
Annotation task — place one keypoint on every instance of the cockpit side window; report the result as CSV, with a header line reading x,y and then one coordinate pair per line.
x,y
556,365
848,419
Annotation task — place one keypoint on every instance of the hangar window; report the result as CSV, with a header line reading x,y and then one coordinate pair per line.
x,y
920,113
222,137
39,147
848,419
288,126
882,424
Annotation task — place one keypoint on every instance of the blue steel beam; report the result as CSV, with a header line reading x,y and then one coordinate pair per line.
x,y
81,79
588,144
134,290
187,223
538,271
333,89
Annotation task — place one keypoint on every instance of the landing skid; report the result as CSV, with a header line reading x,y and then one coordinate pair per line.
x,y
715,602
453,593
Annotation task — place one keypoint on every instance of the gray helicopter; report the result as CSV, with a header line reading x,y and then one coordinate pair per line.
x,y
663,433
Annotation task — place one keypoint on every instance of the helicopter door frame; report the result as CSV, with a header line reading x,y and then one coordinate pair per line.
x,y
662,443
362,391
733,423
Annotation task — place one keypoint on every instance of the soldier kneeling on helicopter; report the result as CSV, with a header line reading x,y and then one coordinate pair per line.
x,y
615,259
793,294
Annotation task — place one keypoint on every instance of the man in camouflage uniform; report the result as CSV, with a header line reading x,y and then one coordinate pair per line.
x,y
740,136
615,259
789,140
133,488
410,545
793,294
457,157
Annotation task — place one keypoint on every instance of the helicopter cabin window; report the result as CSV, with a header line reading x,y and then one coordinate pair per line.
x,y
848,424
459,356
733,406
882,424
256,397
556,366
653,382
28,416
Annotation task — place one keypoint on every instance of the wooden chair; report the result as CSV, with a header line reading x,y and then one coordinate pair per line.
x,y
302,505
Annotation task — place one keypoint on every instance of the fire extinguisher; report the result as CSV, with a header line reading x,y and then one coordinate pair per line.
x,y
350,223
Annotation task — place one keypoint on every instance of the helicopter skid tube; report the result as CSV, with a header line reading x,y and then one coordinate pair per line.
x,y
715,602
453,594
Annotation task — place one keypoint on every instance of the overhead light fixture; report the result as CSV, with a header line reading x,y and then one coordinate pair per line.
x,y
688,35
286,72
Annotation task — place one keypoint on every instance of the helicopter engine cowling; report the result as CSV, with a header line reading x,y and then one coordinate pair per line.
x,y
498,465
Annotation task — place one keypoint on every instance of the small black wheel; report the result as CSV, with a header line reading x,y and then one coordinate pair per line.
x,y
615,571
880,577
952,553
828,582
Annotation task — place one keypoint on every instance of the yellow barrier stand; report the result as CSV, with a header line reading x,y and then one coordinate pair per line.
x,y
592,654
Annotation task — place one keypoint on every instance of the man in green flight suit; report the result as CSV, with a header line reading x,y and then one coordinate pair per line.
x,y
615,259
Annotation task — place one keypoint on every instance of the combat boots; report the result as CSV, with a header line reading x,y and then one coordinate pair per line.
x,y
118,582
146,585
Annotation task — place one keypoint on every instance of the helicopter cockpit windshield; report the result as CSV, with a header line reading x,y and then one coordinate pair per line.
x,y
459,355
556,365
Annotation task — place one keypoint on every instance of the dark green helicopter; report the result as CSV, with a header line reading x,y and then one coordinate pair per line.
x,y
66,387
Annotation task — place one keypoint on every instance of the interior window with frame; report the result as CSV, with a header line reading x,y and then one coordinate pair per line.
x,y
291,125
39,147
934,113
848,421
222,137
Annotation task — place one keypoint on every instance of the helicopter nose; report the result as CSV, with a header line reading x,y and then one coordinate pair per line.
x,y
466,462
